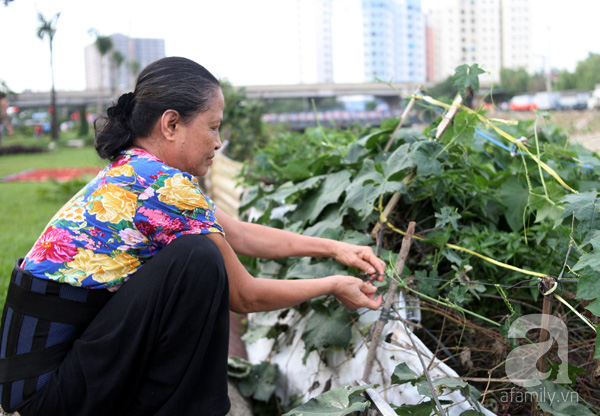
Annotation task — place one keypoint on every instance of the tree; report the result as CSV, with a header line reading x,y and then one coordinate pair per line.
x,y
47,29
134,70
242,126
104,44
116,60
515,80
587,72
565,80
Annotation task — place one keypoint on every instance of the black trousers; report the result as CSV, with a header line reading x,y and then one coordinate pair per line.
x,y
158,347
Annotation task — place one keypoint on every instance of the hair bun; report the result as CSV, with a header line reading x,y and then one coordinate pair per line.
x,y
125,103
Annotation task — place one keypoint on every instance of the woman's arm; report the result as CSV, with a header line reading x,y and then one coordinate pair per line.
x,y
256,240
249,294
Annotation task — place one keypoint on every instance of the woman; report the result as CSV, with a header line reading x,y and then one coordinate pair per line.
x,y
138,271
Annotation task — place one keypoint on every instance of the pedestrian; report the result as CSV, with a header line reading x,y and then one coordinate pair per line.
x,y
122,305
4,117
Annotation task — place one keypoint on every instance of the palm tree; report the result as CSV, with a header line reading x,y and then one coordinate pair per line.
x,y
104,44
116,60
47,28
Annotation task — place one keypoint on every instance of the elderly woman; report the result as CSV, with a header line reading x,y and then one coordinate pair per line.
x,y
122,305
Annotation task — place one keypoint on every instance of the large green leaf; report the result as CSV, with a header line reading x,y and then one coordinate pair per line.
x,y
467,77
289,188
366,188
337,402
515,197
426,156
303,269
403,374
329,326
585,207
328,193
260,384
588,287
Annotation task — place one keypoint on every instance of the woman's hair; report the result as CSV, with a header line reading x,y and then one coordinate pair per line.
x,y
172,83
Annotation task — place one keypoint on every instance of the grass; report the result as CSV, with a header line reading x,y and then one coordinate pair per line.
x,y
26,207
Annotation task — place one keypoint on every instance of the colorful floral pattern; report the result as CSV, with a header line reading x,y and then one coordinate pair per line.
x,y
118,221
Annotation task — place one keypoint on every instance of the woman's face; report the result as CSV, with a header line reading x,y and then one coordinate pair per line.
x,y
199,138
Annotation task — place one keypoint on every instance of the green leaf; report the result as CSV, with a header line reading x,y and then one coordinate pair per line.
x,y
558,400
289,188
467,77
400,160
588,287
366,188
328,326
329,192
421,409
337,402
303,269
439,384
403,374
515,197
425,156
584,206
594,307
260,384
447,215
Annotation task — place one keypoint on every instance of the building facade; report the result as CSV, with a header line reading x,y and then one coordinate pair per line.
x,y
495,34
102,73
353,41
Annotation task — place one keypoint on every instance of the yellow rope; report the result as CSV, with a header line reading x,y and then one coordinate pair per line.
x,y
504,134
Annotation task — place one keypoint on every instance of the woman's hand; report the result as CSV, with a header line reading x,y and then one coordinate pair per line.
x,y
362,257
355,293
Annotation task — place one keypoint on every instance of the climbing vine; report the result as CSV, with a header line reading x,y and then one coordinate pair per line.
x,y
500,207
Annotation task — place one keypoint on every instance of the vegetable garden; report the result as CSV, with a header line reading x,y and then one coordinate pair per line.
x,y
507,222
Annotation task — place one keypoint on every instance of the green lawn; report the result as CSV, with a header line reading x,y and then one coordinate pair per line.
x,y
25,207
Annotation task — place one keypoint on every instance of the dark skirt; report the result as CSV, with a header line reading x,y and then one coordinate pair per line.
x,y
41,319
157,347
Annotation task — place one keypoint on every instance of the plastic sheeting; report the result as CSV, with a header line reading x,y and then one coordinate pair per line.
x,y
336,368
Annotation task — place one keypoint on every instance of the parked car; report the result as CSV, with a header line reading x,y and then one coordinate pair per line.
x,y
523,102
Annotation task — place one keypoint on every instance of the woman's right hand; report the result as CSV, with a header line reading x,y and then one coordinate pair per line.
x,y
355,293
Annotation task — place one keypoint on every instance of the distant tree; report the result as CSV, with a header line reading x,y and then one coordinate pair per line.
x,y
587,72
104,44
47,29
116,60
515,80
565,80
134,70
242,126
443,89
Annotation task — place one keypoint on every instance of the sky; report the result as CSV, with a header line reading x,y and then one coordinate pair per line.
x,y
248,42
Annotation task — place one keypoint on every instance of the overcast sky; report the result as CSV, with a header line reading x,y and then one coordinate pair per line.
x,y
249,42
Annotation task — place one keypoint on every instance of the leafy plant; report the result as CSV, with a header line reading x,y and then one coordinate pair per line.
x,y
498,206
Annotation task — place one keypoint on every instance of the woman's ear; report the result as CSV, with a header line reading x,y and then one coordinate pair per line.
x,y
169,124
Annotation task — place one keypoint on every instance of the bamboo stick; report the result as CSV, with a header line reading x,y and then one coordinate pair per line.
x,y
389,300
448,117
403,118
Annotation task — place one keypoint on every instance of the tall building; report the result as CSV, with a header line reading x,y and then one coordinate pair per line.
x,y
315,41
102,74
495,34
353,41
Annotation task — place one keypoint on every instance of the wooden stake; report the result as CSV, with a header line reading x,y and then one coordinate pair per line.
x,y
389,300
405,113
391,204
448,117
544,336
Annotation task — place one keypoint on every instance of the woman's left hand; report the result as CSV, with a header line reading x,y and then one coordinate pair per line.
x,y
361,257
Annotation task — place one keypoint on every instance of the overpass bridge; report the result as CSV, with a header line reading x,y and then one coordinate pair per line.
x,y
391,94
